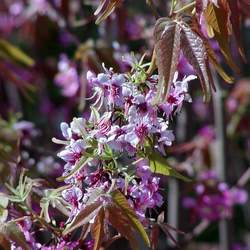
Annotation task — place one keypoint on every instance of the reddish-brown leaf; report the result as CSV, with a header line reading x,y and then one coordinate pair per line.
x,y
122,224
120,200
167,47
211,54
84,216
12,232
245,7
4,242
216,64
97,229
217,20
194,50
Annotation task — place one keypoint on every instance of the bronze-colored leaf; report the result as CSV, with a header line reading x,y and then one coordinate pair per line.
x,y
97,229
211,54
217,19
216,64
171,36
118,219
120,200
105,8
84,216
13,233
194,50
167,36
4,242
235,19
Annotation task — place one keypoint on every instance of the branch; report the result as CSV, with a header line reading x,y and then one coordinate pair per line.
x,y
186,7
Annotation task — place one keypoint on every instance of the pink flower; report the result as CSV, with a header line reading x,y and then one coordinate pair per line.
x,y
67,77
73,196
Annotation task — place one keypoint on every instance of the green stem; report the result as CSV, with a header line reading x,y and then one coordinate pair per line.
x,y
172,7
186,7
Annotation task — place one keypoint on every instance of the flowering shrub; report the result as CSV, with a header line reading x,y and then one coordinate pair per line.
x,y
133,159
115,153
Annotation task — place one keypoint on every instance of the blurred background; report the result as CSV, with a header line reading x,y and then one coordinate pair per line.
x,y
46,49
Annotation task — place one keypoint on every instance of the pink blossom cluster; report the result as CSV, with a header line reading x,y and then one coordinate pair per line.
x,y
214,199
108,148
67,77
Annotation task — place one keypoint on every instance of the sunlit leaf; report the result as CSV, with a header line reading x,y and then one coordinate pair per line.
x,y
10,51
79,165
217,20
159,165
120,200
97,229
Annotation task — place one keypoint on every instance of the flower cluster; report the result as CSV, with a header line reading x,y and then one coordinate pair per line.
x,y
214,200
110,149
67,77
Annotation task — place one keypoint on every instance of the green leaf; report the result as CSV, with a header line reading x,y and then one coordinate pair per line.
x,y
120,200
217,20
84,216
79,165
107,153
159,165
4,200
9,51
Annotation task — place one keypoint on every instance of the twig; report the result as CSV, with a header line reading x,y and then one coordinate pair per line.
x,y
197,230
244,178
184,8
